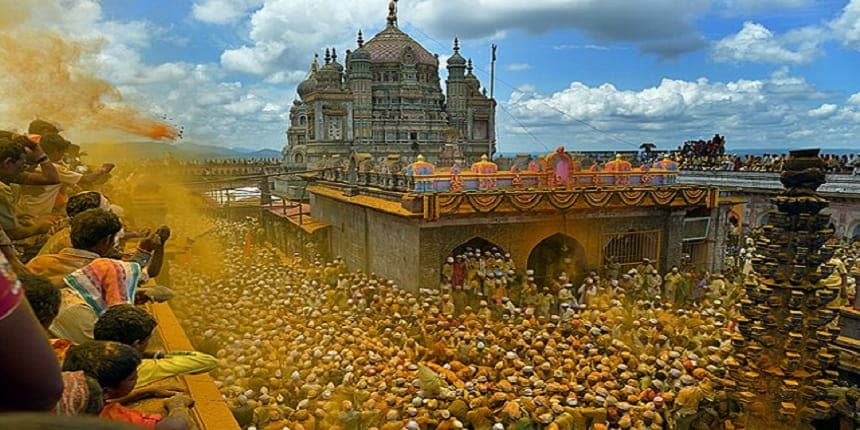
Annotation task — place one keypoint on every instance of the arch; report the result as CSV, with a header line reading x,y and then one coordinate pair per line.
x,y
854,230
555,254
476,243
303,120
298,158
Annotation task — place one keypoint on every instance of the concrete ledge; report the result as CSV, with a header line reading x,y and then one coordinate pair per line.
x,y
209,409
844,185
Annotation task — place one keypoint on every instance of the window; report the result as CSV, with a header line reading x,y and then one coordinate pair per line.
x,y
696,228
629,248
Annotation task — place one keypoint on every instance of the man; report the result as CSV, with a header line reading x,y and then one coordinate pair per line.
x,y
39,200
134,327
115,366
687,403
15,152
93,234
76,204
670,285
653,284
645,267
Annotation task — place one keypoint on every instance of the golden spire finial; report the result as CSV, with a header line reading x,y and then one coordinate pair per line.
x,y
392,13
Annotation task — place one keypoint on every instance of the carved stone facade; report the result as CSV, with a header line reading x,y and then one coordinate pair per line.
x,y
387,99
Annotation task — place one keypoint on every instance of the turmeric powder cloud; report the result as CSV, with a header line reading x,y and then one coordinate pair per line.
x,y
44,76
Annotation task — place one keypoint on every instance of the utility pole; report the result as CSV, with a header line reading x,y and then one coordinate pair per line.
x,y
493,96
493,72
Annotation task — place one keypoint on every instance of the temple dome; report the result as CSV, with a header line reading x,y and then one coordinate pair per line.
x,y
307,86
390,45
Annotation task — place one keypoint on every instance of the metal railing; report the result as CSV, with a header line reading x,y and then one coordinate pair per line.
x,y
629,248
836,183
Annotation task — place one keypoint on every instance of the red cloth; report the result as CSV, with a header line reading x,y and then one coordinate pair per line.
x,y
118,412
10,289
458,275
61,347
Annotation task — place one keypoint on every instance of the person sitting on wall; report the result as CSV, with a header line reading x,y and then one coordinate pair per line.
x,y
114,365
133,326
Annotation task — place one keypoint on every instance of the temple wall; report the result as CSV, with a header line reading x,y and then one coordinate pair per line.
x,y
371,241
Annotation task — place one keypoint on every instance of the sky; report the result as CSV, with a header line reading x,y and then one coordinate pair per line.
x,y
585,74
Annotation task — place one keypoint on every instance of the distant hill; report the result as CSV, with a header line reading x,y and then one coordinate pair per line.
x,y
130,151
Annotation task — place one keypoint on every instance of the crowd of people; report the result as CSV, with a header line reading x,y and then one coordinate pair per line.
x,y
306,344
696,155
710,155
230,162
74,271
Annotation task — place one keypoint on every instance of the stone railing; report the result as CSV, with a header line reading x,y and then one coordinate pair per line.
x,y
468,181
234,170
765,181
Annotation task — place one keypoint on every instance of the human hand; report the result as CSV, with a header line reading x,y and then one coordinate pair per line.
x,y
150,242
32,148
178,401
157,293
163,232
165,392
140,297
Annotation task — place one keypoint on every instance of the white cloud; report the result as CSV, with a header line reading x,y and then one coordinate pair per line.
x,y
199,97
222,11
854,99
284,34
663,27
772,112
755,43
518,67
823,111
846,27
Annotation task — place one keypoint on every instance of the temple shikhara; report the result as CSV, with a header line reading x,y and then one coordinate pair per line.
x,y
386,98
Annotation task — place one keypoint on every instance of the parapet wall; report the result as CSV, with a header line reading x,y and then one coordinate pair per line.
x,y
209,410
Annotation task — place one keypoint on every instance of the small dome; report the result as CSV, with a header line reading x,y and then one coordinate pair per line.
x,y
359,54
456,59
307,86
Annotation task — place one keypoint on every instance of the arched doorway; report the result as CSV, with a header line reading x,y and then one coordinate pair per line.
x,y
299,158
855,232
554,255
478,253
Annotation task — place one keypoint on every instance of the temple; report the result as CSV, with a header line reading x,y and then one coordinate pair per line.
x,y
386,100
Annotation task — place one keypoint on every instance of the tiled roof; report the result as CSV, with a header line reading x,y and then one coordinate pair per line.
x,y
388,46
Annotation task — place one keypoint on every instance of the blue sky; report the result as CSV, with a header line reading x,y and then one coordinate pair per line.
x,y
765,73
